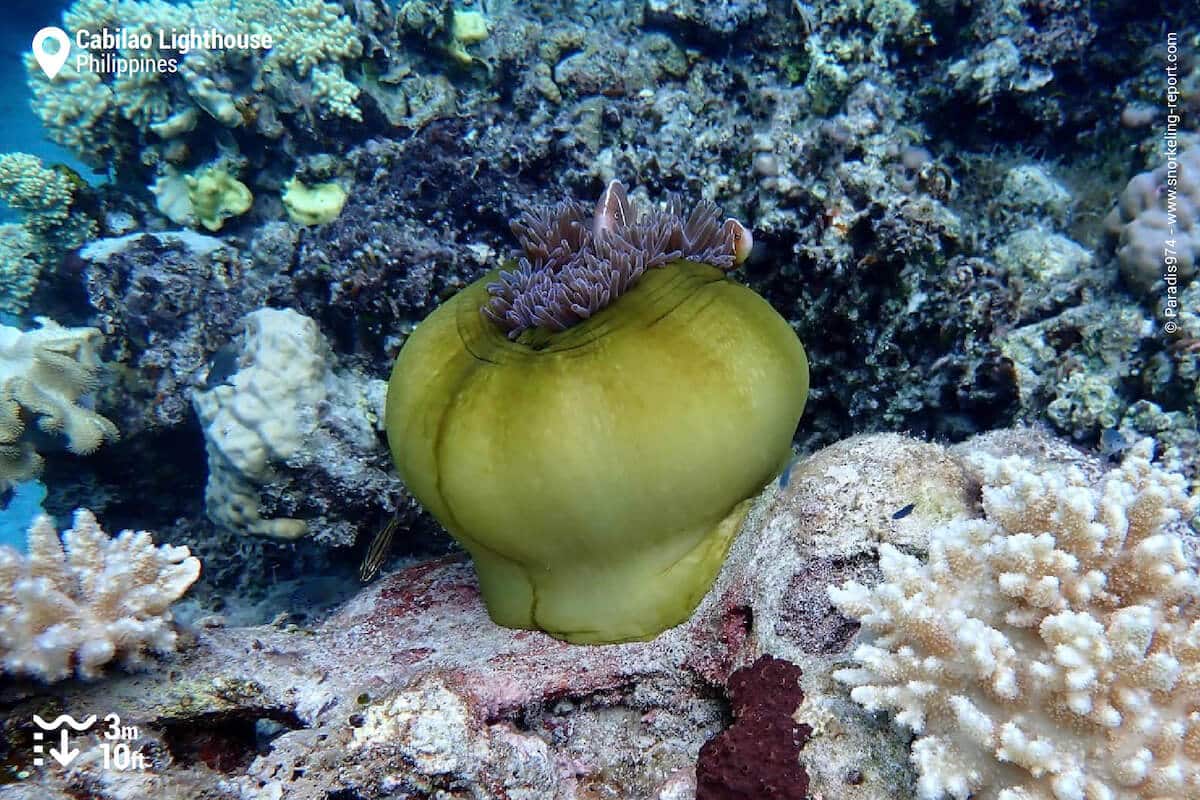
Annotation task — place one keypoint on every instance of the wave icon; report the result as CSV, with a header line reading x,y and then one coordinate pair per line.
x,y
62,719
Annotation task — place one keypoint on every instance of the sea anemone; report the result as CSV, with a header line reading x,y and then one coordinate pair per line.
x,y
594,437
574,265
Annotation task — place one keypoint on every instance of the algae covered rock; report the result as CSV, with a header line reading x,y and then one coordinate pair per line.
x,y
598,472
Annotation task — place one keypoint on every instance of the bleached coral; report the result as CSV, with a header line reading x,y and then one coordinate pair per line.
x,y
285,415
74,605
44,373
1050,649
262,415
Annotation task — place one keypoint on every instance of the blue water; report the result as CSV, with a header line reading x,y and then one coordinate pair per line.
x,y
22,131
25,506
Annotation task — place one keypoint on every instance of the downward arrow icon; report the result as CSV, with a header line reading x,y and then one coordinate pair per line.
x,y
65,755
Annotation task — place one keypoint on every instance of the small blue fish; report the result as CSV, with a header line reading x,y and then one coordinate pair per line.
x,y
1112,442
786,475
904,512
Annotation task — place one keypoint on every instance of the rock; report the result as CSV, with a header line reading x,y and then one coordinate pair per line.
x,y
409,690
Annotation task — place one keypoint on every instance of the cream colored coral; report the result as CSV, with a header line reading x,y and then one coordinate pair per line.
x,y
75,605
1048,650
261,416
306,33
19,268
26,185
44,373
335,93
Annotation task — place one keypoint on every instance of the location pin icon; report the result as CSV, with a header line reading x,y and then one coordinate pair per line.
x,y
51,63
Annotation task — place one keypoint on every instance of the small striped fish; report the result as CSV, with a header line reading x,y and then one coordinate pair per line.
x,y
378,552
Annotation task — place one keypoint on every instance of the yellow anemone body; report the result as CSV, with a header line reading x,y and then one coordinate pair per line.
x,y
597,475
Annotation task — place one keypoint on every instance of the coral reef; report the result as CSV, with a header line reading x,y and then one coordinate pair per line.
x,y
832,132
1156,220
44,373
410,689
94,111
926,182
169,304
72,606
1046,649
289,438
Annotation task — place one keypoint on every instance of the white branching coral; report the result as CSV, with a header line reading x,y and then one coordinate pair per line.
x,y
1048,650
75,604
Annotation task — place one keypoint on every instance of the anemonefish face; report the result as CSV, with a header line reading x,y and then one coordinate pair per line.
x,y
613,211
743,240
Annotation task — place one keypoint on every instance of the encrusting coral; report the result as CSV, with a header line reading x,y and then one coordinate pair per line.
x,y
313,205
44,373
74,605
598,471
1157,220
1050,649
217,195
